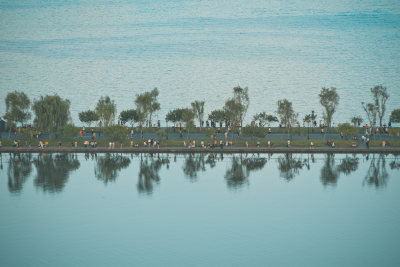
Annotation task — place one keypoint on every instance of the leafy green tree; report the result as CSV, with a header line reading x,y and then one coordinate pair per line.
x,y
286,113
17,108
395,116
231,109
106,109
88,117
356,120
187,118
347,130
129,116
147,104
68,130
198,110
116,132
329,100
175,115
264,118
380,96
51,112
242,101
218,115
371,112
307,119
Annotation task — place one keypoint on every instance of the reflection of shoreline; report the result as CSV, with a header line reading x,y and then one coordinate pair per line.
x,y
182,150
53,170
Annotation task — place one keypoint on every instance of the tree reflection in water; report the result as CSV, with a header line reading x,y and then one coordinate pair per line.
x,y
329,172
53,170
237,175
377,174
348,165
109,165
394,164
192,165
288,166
149,173
19,168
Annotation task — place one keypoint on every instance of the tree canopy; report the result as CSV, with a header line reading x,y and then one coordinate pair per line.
x,y
175,115
51,112
329,100
356,120
147,104
198,110
380,96
129,116
242,101
395,116
88,117
106,109
264,118
286,113
218,115
17,108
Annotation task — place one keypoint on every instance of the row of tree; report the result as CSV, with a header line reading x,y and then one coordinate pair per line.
x,y
52,112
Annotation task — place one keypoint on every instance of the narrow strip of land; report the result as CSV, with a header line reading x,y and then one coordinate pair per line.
x,y
347,150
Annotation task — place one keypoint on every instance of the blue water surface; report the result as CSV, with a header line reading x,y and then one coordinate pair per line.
x,y
199,210
200,50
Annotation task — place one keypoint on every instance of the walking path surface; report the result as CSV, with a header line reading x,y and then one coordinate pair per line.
x,y
358,150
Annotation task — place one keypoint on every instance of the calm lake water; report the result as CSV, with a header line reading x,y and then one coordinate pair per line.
x,y
201,50
199,210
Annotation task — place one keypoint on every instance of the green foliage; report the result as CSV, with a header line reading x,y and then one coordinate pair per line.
x,y
175,115
161,134
130,116
347,129
232,109
88,117
371,111
17,106
117,132
395,116
254,131
68,130
218,115
307,119
106,109
51,112
380,96
356,120
147,104
198,110
187,117
286,113
242,100
264,118
329,99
